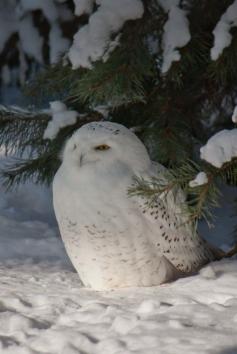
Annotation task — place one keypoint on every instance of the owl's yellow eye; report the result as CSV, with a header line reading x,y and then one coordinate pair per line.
x,y
102,147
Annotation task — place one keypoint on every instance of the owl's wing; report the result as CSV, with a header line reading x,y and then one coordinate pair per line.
x,y
169,230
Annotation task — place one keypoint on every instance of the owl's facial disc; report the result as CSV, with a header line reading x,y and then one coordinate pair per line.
x,y
106,146
94,154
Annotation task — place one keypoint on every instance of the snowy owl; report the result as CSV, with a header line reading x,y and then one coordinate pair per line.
x,y
112,239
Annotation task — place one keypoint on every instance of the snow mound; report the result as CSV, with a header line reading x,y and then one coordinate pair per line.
x,y
61,117
92,40
147,306
208,272
44,309
124,324
220,148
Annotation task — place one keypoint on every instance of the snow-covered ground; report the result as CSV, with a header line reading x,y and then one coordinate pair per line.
x,y
45,309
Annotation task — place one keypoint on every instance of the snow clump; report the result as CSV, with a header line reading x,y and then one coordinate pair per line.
x,y
222,36
234,115
61,117
199,180
83,7
92,40
176,32
220,148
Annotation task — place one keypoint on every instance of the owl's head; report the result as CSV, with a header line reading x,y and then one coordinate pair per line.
x,y
105,144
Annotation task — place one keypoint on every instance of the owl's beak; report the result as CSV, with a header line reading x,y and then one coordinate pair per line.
x,y
84,160
81,160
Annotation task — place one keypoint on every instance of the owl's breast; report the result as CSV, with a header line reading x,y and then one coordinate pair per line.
x,y
89,199
106,238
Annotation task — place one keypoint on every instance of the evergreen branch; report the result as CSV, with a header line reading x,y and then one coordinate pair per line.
x,y
201,199
170,142
234,215
10,112
37,170
223,70
21,129
21,134
119,87
52,83
120,80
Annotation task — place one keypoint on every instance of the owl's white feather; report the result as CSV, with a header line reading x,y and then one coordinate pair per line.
x,y
114,240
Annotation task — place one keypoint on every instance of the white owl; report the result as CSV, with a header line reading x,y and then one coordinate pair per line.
x,y
114,240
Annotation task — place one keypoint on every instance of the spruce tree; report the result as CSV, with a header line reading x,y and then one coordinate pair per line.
x,y
163,73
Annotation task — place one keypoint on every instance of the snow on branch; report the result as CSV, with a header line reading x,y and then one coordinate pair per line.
x,y
61,117
31,41
83,7
57,43
222,35
8,23
176,32
92,41
220,148
48,8
17,18
234,115
200,179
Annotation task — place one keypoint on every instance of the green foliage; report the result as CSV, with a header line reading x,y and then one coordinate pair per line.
x,y
169,144
202,199
51,83
33,157
22,129
119,81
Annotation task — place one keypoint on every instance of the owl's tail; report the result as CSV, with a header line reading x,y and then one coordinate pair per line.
x,y
219,254
231,253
